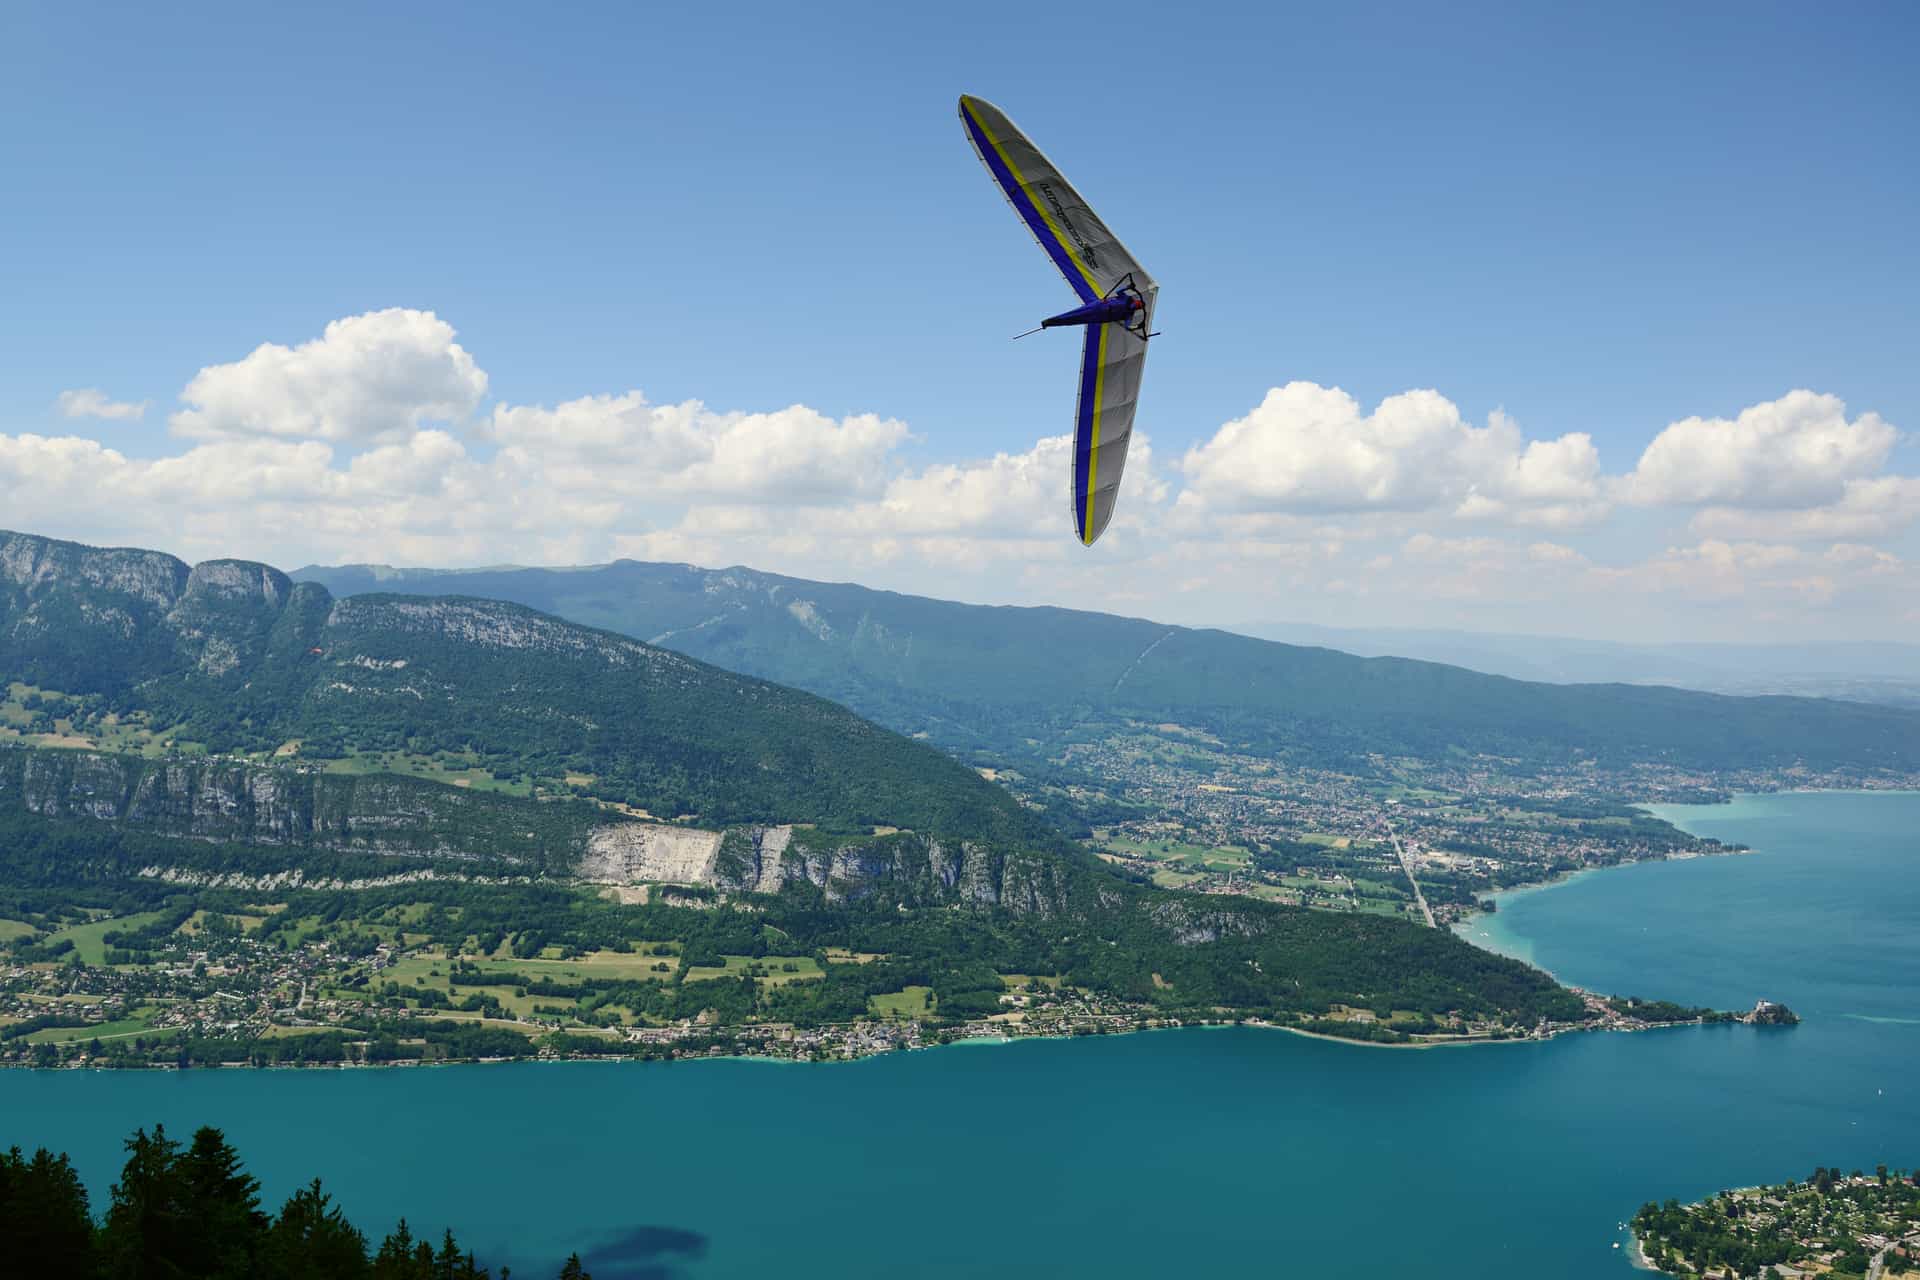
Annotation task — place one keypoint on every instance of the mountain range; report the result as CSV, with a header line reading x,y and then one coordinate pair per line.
x,y
992,683
223,726
1856,670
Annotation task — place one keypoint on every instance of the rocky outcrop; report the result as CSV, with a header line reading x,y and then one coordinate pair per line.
x,y
240,803
38,565
1193,921
909,869
238,580
649,853
493,625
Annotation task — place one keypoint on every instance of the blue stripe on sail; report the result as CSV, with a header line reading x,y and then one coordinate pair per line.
x,y
1083,432
1029,211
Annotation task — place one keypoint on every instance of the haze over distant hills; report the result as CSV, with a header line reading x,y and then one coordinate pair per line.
x,y
1863,671
1013,680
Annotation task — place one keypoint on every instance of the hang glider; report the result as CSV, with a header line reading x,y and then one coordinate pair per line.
x,y
1116,304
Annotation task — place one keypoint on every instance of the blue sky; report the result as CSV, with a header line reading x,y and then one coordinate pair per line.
x,y
1601,223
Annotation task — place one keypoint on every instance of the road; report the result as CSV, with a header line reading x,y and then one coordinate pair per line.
x,y
1406,865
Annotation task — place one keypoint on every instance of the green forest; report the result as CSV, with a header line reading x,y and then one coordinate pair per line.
x,y
1833,1222
238,659
192,1210
1000,680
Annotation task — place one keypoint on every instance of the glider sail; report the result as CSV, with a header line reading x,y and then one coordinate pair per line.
x,y
1110,365
1116,295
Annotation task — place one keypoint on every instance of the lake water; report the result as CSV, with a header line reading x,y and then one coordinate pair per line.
x,y
1224,1152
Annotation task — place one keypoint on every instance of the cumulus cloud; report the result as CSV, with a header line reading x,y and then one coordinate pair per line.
x,y
1798,451
1870,508
1010,495
1718,569
91,402
376,376
794,455
1311,449
375,441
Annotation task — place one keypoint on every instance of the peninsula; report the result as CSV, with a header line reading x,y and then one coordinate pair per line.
x,y
1846,1226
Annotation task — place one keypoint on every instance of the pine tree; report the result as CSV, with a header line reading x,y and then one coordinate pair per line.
x,y
446,1263
222,1209
43,1216
404,1256
146,1233
312,1240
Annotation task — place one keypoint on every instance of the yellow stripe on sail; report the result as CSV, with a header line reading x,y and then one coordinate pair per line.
x,y
1026,189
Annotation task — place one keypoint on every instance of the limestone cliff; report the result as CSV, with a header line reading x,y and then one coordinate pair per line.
x,y
240,803
301,808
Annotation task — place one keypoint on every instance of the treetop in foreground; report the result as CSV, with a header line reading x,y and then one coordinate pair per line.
x,y
194,1211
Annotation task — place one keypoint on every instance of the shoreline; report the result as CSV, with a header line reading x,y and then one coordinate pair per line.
x,y
1637,1254
1501,896
962,1042
1460,928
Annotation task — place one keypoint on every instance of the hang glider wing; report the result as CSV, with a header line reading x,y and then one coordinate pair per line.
x,y
1110,366
1098,267
1091,257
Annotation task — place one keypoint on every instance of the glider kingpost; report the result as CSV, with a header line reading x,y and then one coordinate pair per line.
x,y
1116,304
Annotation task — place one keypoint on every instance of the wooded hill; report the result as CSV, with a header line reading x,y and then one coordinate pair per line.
x,y
193,724
991,678
232,656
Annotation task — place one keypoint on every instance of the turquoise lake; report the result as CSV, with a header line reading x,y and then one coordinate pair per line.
x,y
1224,1152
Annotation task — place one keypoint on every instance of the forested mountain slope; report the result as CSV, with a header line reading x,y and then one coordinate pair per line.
x,y
223,729
977,676
235,657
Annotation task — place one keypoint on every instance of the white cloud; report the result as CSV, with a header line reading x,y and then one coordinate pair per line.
x,y
794,455
376,376
1554,553
1713,568
370,443
1310,449
91,402
1871,508
1799,451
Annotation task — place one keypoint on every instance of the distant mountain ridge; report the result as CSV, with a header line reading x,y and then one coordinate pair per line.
x,y
995,678
1863,671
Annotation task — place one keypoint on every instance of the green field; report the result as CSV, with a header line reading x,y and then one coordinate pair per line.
x,y
105,733
840,955
131,1025
1027,981
1193,857
87,938
420,971
771,971
194,923
912,1002
453,770
11,929
277,1032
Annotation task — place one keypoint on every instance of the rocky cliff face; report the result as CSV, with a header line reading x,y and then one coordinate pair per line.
x,y
282,806
88,619
238,803
649,853
911,869
234,659
37,566
491,624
